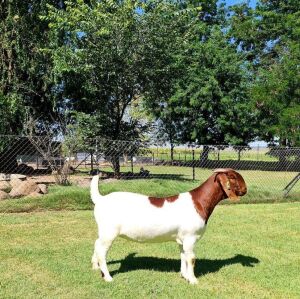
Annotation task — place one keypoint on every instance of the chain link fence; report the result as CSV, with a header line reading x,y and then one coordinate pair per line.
x,y
28,165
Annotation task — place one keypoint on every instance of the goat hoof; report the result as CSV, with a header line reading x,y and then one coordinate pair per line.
x,y
193,281
108,279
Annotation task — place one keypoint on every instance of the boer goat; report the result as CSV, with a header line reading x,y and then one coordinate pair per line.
x,y
181,218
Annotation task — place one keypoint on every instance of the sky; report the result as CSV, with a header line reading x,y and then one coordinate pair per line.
x,y
232,2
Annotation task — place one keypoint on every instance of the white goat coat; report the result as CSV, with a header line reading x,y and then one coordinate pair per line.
x,y
133,217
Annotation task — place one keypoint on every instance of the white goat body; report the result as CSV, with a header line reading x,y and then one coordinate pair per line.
x,y
144,219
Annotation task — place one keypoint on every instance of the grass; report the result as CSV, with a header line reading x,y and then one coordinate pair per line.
x,y
185,154
248,251
263,187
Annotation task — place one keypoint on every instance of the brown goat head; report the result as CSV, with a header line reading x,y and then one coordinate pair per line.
x,y
232,183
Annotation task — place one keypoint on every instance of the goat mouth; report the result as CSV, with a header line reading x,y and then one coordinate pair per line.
x,y
234,198
242,193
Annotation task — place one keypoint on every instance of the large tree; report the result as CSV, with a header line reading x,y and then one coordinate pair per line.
x,y
213,97
25,71
97,56
269,36
97,59
201,95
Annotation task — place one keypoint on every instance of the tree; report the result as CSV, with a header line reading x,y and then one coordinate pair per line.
x,y
96,52
277,94
269,36
201,92
98,61
165,28
25,72
213,96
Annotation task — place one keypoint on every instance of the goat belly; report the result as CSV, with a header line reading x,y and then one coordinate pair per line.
x,y
150,236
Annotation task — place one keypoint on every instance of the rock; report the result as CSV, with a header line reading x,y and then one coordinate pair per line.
x,y
43,188
15,183
5,186
35,194
3,195
3,177
24,189
18,176
44,179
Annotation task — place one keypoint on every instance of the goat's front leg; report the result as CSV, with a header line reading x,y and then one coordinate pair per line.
x,y
190,259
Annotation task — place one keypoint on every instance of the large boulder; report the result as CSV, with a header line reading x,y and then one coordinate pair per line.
x,y
3,177
5,186
35,194
43,188
15,183
24,189
18,176
3,195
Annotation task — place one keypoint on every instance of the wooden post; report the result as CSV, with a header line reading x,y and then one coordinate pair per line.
x,y
193,154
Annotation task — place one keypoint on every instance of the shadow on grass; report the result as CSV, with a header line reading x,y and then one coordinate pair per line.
x,y
202,267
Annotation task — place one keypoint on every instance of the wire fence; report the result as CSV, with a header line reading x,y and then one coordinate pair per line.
x,y
28,165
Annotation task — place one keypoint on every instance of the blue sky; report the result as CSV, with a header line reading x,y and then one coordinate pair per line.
x,y
232,2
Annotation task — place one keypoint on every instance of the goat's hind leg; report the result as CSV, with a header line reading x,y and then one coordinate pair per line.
x,y
95,263
102,245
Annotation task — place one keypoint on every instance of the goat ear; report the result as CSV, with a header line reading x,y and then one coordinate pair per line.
x,y
225,183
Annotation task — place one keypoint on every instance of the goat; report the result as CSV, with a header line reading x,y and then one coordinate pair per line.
x,y
181,218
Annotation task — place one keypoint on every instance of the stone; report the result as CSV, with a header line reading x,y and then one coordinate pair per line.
x,y
18,176
24,189
5,186
43,188
35,194
3,177
4,195
15,183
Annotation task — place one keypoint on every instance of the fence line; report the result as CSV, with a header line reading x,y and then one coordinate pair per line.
x,y
267,170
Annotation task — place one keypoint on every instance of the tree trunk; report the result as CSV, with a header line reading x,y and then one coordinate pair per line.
x,y
204,155
239,155
172,153
116,165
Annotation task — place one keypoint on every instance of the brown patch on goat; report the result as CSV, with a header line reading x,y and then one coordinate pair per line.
x,y
215,188
159,201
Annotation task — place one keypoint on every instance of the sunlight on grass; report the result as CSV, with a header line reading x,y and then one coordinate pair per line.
x,y
248,251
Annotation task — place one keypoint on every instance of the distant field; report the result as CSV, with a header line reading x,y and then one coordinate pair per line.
x,y
248,251
182,154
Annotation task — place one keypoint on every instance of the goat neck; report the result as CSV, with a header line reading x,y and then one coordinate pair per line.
x,y
207,196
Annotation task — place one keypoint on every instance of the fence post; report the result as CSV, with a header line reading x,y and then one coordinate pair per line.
x,y
97,162
131,161
92,162
193,158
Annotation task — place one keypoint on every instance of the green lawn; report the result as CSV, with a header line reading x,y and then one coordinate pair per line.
x,y
263,187
185,154
262,184
248,251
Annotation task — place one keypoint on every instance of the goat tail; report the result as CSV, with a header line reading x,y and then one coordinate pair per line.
x,y
95,194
